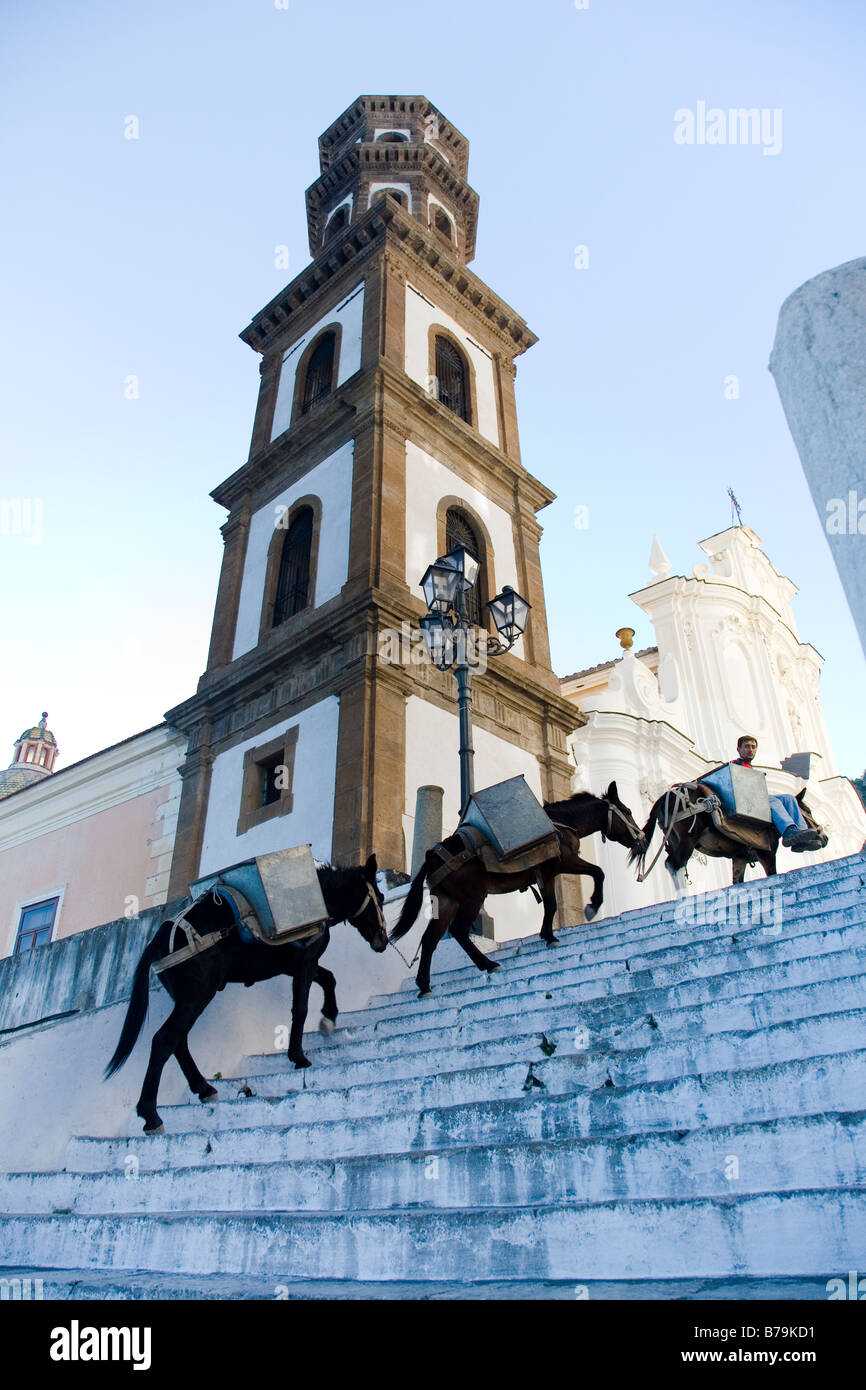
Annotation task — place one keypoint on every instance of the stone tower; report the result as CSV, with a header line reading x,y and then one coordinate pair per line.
x,y
385,428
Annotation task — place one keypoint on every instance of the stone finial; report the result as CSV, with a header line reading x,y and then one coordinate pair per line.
x,y
626,637
659,563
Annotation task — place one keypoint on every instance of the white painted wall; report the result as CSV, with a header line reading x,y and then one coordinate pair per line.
x,y
313,786
420,316
350,314
331,482
432,744
427,482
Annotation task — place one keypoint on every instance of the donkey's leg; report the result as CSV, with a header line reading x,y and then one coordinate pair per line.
x,y
445,912
738,873
597,876
548,898
325,980
197,1083
166,1041
767,861
460,929
301,982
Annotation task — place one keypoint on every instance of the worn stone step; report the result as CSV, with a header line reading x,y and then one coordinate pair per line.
x,y
815,1151
806,1037
266,1132
788,1234
83,1285
607,998
798,898
821,936
644,950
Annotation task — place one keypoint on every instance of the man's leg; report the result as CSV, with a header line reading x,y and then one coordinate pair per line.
x,y
788,820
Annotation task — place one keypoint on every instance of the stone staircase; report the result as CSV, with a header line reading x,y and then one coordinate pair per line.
x,y
662,1107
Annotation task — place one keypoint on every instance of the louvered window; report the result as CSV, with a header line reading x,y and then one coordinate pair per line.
x,y
293,584
320,373
452,386
459,531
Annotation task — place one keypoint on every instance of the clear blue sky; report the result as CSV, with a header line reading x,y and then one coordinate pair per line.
x,y
148,257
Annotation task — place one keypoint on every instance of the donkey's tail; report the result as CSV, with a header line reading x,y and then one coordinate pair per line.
x,y
638,853
412,905
137,1011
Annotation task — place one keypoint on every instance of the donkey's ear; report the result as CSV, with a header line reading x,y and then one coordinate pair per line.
x,y
612,792
371,868
800,796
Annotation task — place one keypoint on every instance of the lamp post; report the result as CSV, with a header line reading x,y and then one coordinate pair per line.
x,y
447,631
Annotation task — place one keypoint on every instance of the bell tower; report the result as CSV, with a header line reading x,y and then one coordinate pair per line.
x,y
385,431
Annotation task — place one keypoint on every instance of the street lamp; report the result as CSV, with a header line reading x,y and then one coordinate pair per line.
x,y
446,629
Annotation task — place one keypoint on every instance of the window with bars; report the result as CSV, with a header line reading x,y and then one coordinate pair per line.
x,y
460,531
36,925
452,386
320,373
293,581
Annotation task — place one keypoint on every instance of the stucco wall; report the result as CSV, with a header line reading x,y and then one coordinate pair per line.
x,y
99,835
313,788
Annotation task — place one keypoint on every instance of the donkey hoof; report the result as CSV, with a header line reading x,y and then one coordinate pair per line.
x,y
155,1129
491,966
553,941
589,912
422,993
302,1062
208,1093
326,1026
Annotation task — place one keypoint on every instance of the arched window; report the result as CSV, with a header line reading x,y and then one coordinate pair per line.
x,y
339,220
442,223
460,531
293,582
452,383
392,137
320,373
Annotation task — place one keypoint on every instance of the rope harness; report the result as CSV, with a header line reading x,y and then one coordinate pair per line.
x,y
685,807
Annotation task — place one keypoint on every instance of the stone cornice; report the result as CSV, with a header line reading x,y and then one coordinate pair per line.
x,y
353,407
387,223
333,648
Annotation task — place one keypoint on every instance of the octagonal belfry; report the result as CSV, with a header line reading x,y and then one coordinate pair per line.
x,y
402,147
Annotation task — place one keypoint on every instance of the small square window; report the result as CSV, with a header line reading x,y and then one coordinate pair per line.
x,y
36,925
266,790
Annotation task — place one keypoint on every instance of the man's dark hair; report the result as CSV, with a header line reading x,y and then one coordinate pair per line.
x,y
742,739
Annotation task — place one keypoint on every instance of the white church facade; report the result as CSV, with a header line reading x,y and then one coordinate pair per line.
x,y
728,661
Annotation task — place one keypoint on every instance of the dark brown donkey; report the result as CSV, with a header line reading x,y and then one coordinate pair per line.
x,y
351,895
460,894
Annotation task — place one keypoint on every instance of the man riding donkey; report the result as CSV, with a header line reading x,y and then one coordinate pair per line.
x,y
705,815
796,833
